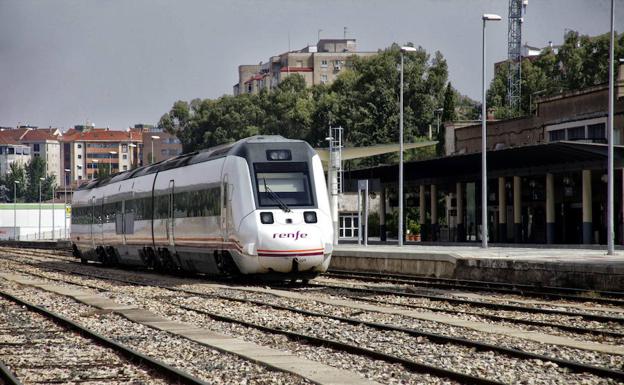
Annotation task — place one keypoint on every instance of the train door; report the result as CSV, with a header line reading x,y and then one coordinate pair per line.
x,y
171,215
224,210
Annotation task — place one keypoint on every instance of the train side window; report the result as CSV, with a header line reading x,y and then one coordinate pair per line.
x,y
225,194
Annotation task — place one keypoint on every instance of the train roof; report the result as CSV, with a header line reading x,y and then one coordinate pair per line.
x,y
187,159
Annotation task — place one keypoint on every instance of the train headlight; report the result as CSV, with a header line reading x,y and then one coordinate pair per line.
x,y
309,216
266,218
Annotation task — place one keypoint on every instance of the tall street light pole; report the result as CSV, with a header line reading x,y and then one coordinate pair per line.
x,y
131,150
484,219
403,51
39,231
15,182
110,161
152,153
65,205
610,232
53,224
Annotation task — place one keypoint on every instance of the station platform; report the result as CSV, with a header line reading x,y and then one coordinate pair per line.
x,y
575,267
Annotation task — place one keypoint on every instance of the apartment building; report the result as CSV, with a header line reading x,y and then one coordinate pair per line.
x,y
161,144
86,148
318,64
20,144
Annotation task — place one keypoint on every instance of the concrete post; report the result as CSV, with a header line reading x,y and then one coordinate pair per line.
x,y
422,215
502,210
517,208
587,208
461,231
550,208
382,214
434,212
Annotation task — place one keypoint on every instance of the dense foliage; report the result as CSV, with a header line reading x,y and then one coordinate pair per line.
x,y
29,180
363,100
581,62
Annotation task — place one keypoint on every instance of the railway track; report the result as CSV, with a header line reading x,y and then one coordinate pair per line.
x,y
604,372
44,347
365,292
570,294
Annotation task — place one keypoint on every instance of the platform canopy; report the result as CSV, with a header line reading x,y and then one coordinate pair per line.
x,y
519,161
349,153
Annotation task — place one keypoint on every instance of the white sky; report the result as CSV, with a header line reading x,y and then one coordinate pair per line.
x,y
121,62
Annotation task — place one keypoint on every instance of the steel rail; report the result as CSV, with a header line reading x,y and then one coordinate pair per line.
x,y
490,305
573,329
130,354
568,328
348,348
522,290
572,365
7,376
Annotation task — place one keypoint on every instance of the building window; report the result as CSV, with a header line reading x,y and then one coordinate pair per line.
x,y
18,151
124,148
299,63
125,168
596,131
323,78
79,145
36,147
27,151
125,156
323,63
79,156
556,135
576,133
11,150
348,225
79,167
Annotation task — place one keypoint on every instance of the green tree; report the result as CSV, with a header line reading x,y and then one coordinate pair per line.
x,y
35,178
581,62
17,173
448,115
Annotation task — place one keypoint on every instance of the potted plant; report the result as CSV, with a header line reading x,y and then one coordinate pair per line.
x,y
413,230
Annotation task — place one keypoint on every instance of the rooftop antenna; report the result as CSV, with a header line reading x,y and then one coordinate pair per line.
x,y
344,33
319,34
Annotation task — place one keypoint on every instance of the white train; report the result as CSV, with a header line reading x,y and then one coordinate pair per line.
x,y
258,206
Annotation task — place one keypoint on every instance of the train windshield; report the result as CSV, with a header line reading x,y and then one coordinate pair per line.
x,y
284,185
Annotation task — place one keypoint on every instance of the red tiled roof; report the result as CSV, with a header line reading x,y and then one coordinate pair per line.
x,y
102,135
38,135
11,136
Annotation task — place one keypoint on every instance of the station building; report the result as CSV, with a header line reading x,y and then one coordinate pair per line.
x,y
547,176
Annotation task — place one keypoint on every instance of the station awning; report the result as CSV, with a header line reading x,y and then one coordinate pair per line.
x,y
519,161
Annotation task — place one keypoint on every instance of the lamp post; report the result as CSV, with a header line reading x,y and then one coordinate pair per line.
x,y
438,112
484,220
53,227
132,146
152,154
39,231
610,232
403,50
15,182
65,205
110,161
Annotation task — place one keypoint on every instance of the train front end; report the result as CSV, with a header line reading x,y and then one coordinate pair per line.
x,y
290,231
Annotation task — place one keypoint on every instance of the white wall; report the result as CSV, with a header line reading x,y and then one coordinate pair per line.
x,y
27,215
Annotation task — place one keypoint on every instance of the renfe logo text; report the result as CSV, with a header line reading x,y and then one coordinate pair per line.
x,y
295,236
